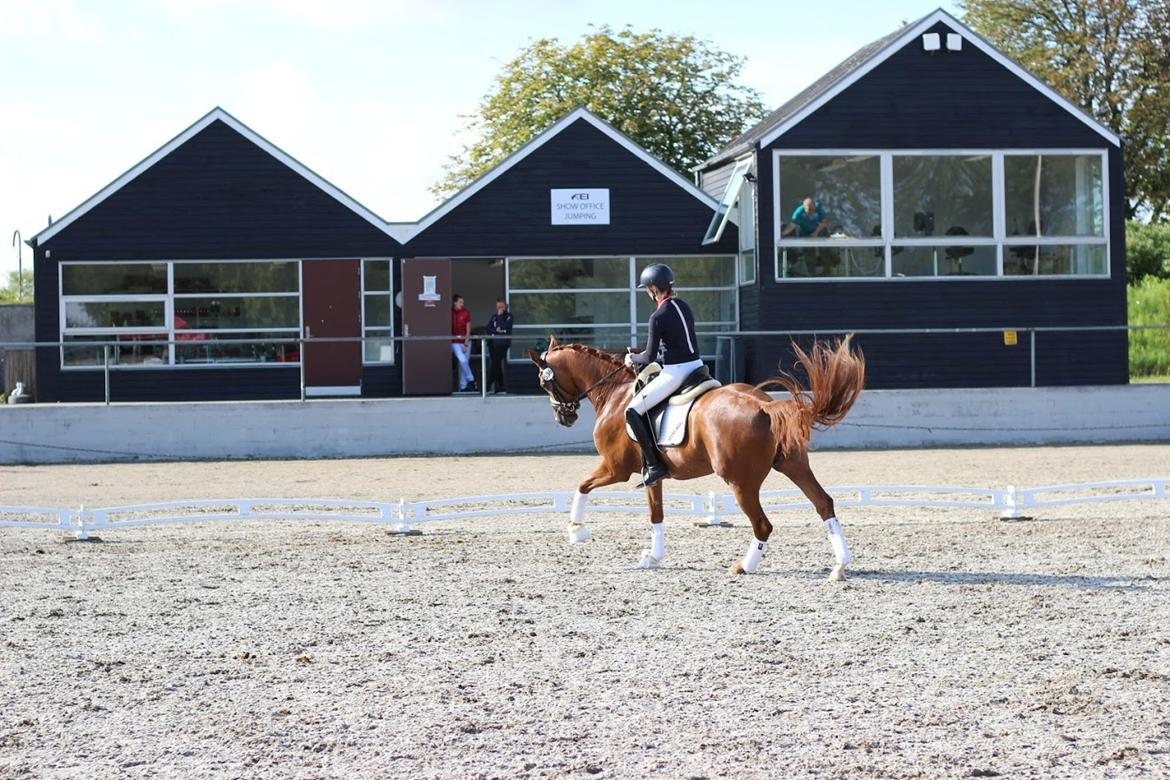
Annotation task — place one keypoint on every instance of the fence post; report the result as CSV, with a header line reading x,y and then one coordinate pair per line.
x,y
1032,351
80,534
106,370
713,519
483,377
403,528
301,353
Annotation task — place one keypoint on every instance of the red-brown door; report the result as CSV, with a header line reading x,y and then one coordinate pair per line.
x,y
426,311
331,297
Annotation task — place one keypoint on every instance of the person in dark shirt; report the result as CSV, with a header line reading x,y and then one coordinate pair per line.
x,y
672,343
499,328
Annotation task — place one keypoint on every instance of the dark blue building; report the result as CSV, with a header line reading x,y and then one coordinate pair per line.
x,y
947,189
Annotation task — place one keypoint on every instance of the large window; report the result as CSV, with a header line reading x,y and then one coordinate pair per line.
x,y
593,300
377,312
865,215
179,313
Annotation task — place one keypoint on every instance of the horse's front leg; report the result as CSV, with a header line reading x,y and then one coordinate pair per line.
x,y
604,474
652,558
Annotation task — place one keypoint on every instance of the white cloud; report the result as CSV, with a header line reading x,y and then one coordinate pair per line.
x,y
60,22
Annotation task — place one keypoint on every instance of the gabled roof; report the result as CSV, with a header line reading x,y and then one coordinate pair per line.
x,y
577,114
866,59
215,115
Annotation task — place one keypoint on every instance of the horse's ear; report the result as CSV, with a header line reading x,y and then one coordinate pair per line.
x,y
535,357
552,341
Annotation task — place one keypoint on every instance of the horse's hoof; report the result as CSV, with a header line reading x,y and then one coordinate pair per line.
x,y
649,561
579,533
736,568
837,574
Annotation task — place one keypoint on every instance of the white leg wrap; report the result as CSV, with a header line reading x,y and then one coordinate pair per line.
x,y
837,540
577,513
755,554
658,540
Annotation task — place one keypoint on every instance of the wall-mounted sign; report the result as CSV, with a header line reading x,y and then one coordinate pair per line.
x,y
428,296
580,207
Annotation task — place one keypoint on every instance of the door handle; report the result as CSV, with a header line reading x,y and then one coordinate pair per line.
x,y
406,330
308,331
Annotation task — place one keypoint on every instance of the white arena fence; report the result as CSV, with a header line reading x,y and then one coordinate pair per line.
x,y
712,509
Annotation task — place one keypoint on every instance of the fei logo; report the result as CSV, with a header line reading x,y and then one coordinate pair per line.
x,y
579,207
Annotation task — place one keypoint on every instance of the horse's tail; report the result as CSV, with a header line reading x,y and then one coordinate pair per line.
x,y
836,376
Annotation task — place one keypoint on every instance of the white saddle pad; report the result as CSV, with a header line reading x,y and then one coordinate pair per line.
x,y
669,423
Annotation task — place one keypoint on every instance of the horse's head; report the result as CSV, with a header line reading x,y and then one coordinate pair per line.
x,y
558,382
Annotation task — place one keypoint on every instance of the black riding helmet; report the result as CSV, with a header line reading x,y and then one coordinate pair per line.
x,y
657,274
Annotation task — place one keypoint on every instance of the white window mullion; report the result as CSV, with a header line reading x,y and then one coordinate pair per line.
x,y
633,302
887,190
998,208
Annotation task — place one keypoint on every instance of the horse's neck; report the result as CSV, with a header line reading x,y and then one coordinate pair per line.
x,y
590,372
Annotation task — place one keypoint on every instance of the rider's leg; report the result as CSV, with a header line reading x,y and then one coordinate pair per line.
x,y
637,415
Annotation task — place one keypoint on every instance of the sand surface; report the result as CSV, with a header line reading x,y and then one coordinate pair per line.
x,y
962,646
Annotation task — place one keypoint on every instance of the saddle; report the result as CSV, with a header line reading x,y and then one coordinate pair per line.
x,y
668,419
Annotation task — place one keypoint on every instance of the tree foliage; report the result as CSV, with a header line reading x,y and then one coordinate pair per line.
x,y
10,293
675,96
1111,58
1147,251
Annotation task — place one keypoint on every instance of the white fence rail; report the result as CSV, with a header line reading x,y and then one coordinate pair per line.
x,y
713,509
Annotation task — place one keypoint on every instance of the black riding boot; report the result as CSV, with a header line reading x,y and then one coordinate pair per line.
x,y
653,471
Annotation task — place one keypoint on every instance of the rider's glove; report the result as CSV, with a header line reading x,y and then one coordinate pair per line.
x,y
629,359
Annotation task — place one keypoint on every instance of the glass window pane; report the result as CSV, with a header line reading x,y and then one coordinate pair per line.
x,y
695,271
215,313
571,307
537,338
1054,195
377,310
237,348
844,192
114,279
115,314
376,275
138,349
378,350
236,277
1062,260
706,305
832,261
747,266
944,260
565,272
943,196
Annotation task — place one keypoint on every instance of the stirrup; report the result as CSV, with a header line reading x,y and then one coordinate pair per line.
x,y
652,475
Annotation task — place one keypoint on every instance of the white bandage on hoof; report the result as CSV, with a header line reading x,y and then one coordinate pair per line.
x,y
755,554
578,533
837,540
658,541
649,561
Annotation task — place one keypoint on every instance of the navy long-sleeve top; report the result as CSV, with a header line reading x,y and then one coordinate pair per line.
x,y
672,335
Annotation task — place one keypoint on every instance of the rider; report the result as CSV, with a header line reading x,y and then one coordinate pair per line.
x,y
672,342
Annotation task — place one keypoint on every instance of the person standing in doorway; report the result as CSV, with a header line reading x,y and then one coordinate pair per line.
x,y
461,343
499,330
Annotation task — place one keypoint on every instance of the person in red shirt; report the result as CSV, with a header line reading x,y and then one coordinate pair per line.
x,y
460,344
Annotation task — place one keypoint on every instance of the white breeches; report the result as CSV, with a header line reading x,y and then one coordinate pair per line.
x,y
462,351
662,386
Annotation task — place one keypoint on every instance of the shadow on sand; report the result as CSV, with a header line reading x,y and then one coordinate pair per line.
x,y
1122,582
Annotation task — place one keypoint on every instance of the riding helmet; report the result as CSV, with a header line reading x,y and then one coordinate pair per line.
x,y
657,274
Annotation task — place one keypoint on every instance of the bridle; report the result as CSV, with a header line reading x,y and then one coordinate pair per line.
x,y
562,404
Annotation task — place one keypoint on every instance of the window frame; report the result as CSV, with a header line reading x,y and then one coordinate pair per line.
x,y
1000,240
376,331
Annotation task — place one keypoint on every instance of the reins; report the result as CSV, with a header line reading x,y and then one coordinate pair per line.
x,y
559,399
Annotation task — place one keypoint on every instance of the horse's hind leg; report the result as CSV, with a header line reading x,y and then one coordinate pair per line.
x,y
748,498
797,469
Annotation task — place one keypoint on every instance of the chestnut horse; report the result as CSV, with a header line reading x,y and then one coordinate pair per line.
x,y
736,431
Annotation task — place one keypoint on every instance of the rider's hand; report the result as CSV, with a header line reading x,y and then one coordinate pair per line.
x,y
629,359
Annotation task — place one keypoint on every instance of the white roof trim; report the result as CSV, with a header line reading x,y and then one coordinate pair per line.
x,y
911,34
216,114
578,113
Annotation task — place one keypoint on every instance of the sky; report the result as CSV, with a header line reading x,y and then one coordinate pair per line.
x,y
369,94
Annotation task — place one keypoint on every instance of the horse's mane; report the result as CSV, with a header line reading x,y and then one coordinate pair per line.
x,y
612,362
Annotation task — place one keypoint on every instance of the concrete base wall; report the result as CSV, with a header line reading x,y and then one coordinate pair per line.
x,y
442,426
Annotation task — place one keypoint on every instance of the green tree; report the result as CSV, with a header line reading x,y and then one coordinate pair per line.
x,y
1147,251
676,96
11,293
1111,58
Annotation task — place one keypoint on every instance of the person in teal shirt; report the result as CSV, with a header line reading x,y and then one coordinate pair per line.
x,y
809,218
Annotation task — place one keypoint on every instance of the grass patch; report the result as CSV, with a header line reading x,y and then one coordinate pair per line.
x,y
1149,350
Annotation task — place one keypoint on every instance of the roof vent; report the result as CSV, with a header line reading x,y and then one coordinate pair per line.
x,y
931,42
954,42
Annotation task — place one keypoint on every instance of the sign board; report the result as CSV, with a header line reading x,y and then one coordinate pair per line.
x,y
1010,338
580,207
428,296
